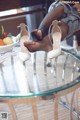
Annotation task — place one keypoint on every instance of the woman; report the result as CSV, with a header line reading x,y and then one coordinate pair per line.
x,y
69,24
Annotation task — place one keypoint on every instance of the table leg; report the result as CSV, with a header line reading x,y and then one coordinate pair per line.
x,y
77,103
34,109
56,108
71,106
12,111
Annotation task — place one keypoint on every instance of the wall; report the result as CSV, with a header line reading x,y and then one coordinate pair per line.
x,y
10,26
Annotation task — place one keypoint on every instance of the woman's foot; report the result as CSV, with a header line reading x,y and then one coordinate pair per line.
x,y
43,45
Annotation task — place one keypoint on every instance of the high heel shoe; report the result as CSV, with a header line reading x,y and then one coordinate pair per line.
x,y
24,54
56,35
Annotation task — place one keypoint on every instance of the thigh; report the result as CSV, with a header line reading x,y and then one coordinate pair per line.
x,y
73,22
67,8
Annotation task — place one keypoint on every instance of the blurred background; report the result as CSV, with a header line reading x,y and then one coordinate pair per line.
x,y
30,12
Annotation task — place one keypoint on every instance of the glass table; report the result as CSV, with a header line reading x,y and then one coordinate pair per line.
x,y
40,79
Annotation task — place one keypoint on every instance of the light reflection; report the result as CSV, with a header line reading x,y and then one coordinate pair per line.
x,y
8,12
21,77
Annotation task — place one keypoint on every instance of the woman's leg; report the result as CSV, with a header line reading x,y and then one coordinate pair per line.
x,y
68,26
55,14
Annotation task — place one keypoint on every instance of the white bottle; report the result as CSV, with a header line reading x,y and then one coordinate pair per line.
x,y
75,44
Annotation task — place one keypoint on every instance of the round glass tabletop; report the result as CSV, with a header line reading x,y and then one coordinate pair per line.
x,y
38,76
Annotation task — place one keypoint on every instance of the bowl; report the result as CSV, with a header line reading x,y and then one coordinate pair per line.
x,y
7,48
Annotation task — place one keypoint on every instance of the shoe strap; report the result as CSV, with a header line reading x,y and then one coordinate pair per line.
x,y
24,26
54,24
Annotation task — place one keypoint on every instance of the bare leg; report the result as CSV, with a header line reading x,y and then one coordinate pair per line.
x,y
55,14
44,44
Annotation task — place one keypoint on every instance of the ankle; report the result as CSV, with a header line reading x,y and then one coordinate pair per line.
x,y
36,35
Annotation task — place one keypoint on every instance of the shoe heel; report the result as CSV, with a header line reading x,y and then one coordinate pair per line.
x,y
24,54
56,40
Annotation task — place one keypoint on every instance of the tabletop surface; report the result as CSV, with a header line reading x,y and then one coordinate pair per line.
x,y
38,77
